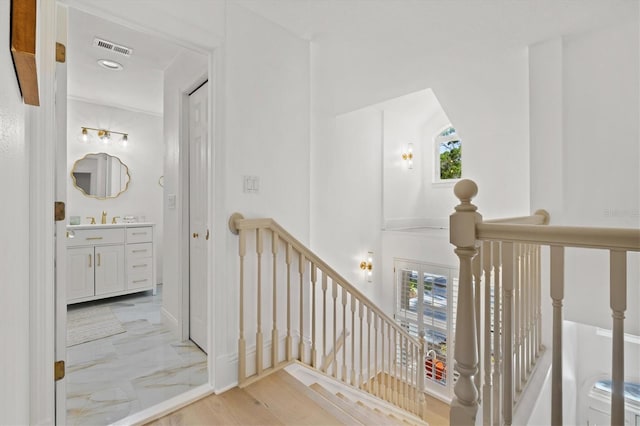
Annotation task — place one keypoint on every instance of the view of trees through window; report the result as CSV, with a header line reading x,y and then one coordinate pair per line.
x,y
450,149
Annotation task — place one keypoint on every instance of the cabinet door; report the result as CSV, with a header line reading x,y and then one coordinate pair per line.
x,y
109,269
80,266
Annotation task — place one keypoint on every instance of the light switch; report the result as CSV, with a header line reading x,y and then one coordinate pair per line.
x,y
251,184
171,201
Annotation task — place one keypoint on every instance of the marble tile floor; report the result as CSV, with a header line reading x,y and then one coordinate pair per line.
x,y
111,378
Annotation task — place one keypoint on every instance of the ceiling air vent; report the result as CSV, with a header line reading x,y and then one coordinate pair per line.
x,y
117,48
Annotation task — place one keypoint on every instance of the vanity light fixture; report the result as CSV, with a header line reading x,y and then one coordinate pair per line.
x,y
105,135
367,266
407,155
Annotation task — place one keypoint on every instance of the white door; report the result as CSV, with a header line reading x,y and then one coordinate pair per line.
x,y
199,233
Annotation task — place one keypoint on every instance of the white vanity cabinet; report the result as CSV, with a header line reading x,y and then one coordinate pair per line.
x,y
109,260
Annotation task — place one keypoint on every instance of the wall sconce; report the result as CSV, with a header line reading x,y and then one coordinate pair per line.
x,y
407,155
367,266
104,135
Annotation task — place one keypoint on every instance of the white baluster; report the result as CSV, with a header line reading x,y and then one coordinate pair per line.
x,y
477,286
422,402
486,389
324,322
288,339
389,396
376,387
301,269
368,378
618,295
275,339
557,294
314,278
496,255
508,279
361,365
383,381
464,406
259,346
539,346
344,335
334,294
353,342
517,314
242,353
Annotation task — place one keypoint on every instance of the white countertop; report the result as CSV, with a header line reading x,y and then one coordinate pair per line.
x,y
109,225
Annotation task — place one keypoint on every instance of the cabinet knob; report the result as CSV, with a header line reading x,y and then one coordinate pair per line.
x,y
195,235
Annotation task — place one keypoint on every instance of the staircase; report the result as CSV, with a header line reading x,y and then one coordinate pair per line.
x,y
282,399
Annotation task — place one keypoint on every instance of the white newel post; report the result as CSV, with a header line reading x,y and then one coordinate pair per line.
x,y
462,228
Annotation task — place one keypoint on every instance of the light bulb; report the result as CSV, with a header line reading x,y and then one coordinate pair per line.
x,y
85,135
125,140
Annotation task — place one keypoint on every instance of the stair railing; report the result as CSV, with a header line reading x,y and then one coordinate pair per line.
x,y
369,350
503,259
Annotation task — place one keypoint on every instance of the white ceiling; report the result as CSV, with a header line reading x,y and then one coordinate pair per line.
x,y
138,86
445,23
438,28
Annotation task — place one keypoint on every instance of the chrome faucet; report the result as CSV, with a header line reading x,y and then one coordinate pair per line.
x,y
104,218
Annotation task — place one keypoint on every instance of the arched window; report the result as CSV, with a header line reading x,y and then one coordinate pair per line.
x,y
448,155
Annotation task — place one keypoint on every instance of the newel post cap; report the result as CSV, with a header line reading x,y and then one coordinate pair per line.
x,y
465,190
462,223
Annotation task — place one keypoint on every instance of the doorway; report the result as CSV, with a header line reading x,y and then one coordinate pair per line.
x,y
146,318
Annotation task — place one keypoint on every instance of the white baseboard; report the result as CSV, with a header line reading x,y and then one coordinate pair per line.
x,y
166,407
170,321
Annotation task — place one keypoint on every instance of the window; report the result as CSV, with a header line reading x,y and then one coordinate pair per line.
x,y
448,155
425,300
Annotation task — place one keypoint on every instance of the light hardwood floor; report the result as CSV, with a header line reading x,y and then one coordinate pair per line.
x,y
280,399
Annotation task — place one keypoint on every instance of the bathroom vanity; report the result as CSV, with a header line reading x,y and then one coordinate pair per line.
x,y
109,260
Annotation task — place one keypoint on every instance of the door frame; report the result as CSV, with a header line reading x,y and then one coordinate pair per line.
x,y
40,125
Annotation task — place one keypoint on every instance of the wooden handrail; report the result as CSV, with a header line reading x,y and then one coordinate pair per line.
x,y
567,236
539,217
237,223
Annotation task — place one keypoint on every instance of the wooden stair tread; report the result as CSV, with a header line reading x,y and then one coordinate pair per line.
x,y
234,407
294,403
364,415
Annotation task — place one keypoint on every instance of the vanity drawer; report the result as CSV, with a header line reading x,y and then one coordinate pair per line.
x,y
139,251
140,267
86,237
143,234
139,280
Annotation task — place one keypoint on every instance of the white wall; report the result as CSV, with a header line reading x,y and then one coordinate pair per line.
x,y
585,170
410,197
266,134
188,70
585,153
483,93
14,234
143,155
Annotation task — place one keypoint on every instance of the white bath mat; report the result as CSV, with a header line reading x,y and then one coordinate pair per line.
x,y
88,324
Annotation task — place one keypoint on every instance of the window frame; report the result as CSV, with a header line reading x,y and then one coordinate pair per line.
x,y
438,140
408,319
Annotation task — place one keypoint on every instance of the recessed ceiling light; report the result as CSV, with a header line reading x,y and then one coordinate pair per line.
x,y
110,65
